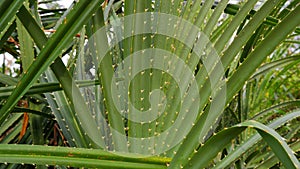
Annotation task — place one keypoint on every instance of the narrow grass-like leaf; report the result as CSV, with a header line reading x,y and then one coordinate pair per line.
x,y
276,107
81,12
232,9
31,111
74,162
215,143
7,15
12,135
279,147
41,88
239,17
9,123
105,73
257,19
273,159
32,27
7,34
249,143
8,80
67,118
27,57
275,64
212,147
255,58
70,154
201,78
64,115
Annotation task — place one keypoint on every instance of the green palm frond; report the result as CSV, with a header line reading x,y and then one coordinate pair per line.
x,y
150,84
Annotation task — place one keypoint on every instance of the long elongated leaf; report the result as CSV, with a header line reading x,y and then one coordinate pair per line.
x,y
250,142
67,118
215,143
51,51
27,57
81,12
273,159
105,73
75,157
236,82
45,87
276,64
7,15
75,162
90,117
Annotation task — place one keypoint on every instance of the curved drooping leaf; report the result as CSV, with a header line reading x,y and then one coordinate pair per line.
x,y
249,143
271,161
213,146
276,64
276,107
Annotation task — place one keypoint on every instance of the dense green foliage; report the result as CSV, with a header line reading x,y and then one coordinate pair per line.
x,y
150,84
